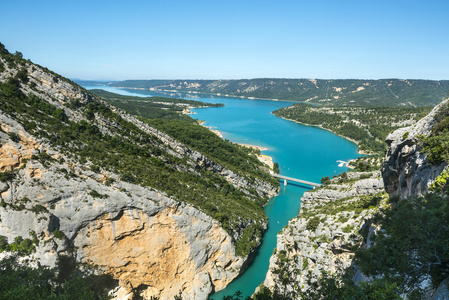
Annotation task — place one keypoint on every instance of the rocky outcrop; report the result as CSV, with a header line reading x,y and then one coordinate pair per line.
x,y
325,234
406,170
154,244
442,292
139,235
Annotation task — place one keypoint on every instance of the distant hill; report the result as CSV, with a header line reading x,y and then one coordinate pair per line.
x,y
341,92
90,82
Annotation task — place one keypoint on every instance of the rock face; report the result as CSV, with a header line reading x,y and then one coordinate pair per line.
x,y
148,241
154,244
442,292
340,211
406,170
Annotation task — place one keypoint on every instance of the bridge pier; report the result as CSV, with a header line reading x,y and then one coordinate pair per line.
x,y
285,182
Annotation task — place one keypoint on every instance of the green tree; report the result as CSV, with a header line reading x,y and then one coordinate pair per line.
x,y
412,244
276,168
18,55
325,180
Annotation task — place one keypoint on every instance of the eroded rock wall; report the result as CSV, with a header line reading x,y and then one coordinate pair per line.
x,y
328,245
406,170
151,243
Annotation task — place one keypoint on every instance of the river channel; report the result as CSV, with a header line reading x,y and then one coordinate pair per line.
x,y
303,152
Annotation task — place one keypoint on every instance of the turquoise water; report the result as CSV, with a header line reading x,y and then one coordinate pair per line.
x,y
303,152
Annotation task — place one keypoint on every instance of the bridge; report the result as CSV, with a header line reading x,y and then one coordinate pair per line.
x,y
313,184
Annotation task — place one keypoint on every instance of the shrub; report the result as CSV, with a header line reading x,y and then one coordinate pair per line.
x,y
325,180
37,209
313,223
14,137
59,234
6,176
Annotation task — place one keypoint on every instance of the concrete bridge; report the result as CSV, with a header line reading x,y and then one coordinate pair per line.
x,y
296,180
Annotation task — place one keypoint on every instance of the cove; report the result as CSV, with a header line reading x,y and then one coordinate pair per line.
x,y
303,152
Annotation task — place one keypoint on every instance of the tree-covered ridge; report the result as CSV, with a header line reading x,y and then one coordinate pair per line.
x,y
367,126
93,133
185,129
351,92
153,107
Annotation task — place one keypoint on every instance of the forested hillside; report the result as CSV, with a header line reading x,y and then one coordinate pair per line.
x,y
340,92
154,107
367,126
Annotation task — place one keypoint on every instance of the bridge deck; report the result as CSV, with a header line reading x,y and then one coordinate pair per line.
x,y
297,180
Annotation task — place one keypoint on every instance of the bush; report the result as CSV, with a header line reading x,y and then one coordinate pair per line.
x,y
412,244
59,234
6,176
37,209
14,137
313,223
325,180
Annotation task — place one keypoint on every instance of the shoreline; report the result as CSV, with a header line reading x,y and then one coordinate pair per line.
x,y
204,93
268,160
321,127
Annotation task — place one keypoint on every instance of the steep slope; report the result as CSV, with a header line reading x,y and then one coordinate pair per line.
x,y
407,171
83,178
340,92
325,234
349,232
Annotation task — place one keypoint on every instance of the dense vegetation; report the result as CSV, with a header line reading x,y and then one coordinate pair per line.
x,y
141,158
185,129
153,107
67,281
412,245
350,92
436,145
368,126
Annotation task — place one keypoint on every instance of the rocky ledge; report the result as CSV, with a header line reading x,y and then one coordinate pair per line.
x,y
406,170
325,234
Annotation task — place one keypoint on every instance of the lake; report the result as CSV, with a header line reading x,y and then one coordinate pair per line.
x,y
303,152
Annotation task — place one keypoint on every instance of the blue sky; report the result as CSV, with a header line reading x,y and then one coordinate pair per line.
x,y
231,39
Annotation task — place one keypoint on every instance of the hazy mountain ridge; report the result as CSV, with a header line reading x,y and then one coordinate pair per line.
x,y
338,92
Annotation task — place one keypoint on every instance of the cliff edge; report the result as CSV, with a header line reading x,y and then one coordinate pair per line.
x,y
407,171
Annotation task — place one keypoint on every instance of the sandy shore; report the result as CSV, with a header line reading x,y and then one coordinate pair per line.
x,y
216,132
268,160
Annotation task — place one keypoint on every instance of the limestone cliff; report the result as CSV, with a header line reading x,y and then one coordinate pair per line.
x,y
154,243
406,170
324,235
151,243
